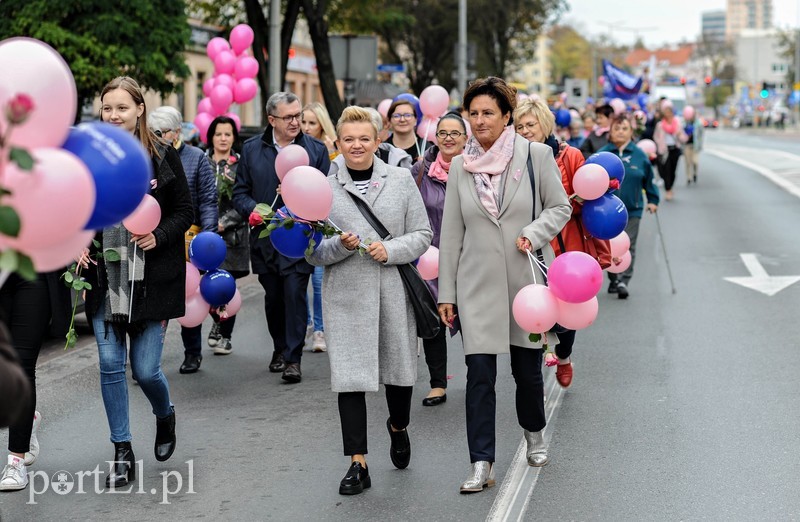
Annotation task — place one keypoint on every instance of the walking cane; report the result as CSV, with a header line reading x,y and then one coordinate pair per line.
x,y
664,249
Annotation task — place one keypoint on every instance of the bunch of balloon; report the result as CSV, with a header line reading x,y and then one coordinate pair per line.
x,y
603,214
233,81
620,253
88,177
433,102
304,189
216,288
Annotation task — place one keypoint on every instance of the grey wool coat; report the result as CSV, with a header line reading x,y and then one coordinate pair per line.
x,y
369,323
480,268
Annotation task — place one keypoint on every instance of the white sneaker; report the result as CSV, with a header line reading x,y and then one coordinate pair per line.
x,y
15,475
224,347
33,452
319,344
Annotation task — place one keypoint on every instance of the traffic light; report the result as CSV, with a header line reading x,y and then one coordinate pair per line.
x,y
683,80
765,90
707,79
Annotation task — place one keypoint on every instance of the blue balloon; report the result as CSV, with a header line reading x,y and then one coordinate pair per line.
x,y
207,251
604,217
293,242
217,287
642,100
413,101
563,118
610,162
120,166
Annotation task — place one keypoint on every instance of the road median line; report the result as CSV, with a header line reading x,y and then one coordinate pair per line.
x,y
767,173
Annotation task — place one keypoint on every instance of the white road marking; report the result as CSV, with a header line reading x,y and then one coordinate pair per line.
x,y
759,280
771,175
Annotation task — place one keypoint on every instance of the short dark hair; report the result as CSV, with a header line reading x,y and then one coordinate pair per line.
x,y
453,115
496,88
621,118
606,110
212,128
393,107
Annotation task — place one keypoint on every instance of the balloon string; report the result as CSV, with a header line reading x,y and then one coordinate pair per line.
x,y
540,265
133,282
533,270
340,231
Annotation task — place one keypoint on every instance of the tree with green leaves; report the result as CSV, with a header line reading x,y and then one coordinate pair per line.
x,y
144,39
570,54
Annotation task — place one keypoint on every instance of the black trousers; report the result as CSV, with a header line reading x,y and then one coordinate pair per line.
x,y
526,367
353,415
25,307
436,358
565,342
285,304
668,168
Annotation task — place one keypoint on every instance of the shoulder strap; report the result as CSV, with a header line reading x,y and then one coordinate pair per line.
x,y
373,221
539,253
383,154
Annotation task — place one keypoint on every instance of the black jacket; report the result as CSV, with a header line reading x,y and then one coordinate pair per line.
x,y
162,293
256,182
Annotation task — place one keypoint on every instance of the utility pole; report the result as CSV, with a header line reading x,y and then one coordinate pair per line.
x,y
462,46
274,47
796,108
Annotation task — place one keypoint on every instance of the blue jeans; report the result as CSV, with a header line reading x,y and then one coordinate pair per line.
x,y
316,284
145,354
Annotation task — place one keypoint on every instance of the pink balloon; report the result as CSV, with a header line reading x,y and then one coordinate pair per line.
x,y
221,98
427,129
577,316
624,263
215,46
575,277
688,113
225,62
290,157
620,244
590,181
235,118
235,304
203,121
54,201
383,107
241,38
618,106
196,311
535,309
205,106
433,101
60,254
208,85
648,147
41,73
246,67
245,90
145,218
192,279
307,194
428,264
225,79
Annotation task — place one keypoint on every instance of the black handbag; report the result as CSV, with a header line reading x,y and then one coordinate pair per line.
x,y
419,295
557,328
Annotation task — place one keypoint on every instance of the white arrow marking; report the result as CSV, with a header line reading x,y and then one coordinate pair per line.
x,y
759,280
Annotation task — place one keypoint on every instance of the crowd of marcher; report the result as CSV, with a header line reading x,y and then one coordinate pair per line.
x,y
495,185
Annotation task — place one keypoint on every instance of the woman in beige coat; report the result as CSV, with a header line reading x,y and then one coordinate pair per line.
x,y
492,217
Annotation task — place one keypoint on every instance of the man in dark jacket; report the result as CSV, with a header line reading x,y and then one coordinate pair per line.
x,y
598,138
285,280
166,122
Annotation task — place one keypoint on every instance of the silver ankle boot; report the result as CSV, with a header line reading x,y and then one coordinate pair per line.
x,y
537,453
482,476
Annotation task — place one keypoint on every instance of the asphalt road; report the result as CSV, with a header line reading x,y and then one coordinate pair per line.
x,y
683,405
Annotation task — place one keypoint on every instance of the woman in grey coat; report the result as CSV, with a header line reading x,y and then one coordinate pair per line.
x,y
369,324
487,228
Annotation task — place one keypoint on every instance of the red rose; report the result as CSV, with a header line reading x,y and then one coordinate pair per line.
x,y
19,108
231,160
613,184
256,219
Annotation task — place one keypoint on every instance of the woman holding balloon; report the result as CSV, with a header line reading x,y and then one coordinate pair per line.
x,y
669,138
535,122
136,295
371,331
222,134
431,174
495,215
638,178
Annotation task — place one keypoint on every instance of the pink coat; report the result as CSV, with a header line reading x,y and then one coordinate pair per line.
x,y
660,137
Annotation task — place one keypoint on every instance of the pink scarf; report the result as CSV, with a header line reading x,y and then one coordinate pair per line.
x,y
485,165
670,127
599,131
439,169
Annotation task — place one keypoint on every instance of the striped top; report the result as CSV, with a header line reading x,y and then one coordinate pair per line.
x,y
361,179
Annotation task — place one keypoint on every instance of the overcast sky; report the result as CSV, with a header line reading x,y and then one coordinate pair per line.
x,y
659,21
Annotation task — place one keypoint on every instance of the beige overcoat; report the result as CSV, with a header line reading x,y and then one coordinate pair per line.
x,y
480,268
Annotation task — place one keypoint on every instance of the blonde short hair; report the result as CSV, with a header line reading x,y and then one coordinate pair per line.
x,y
538,110
355,114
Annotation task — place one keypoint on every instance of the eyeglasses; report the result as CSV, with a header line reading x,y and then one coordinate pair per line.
x,y
288,119
529,126
452,134
403,116
162,132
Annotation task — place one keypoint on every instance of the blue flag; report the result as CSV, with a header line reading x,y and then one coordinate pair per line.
x,y
620,84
